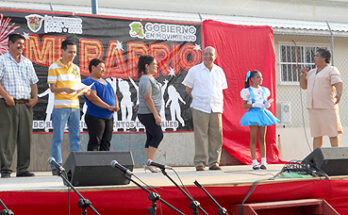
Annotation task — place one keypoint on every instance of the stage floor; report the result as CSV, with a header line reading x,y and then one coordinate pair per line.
x,y
229,175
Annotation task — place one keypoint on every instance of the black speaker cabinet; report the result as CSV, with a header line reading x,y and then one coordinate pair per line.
x,y
332,161
93,168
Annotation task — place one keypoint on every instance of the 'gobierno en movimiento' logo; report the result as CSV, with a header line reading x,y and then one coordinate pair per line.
x,y
136,30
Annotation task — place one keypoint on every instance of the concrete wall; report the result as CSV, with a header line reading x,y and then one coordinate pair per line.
x,y
175,149
293,144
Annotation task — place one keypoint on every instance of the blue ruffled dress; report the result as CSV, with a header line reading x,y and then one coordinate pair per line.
x,y
258,116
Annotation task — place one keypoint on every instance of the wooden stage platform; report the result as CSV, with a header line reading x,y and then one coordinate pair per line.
x,y
230,175
46,194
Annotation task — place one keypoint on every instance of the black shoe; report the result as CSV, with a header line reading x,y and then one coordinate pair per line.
x,y
256,167
263,167
55,172
215,167
5,175
199,168
25,174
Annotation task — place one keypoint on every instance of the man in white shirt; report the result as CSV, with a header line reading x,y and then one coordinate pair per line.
x,y
205,83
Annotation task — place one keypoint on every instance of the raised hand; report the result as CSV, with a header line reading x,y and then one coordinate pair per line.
x,y
304,71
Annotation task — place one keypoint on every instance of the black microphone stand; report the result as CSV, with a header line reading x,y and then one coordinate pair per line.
x,y
153,197
82,203
194,205
6,211
221,210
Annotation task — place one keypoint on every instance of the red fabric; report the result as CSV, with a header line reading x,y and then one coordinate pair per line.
x,y
241,49
135,201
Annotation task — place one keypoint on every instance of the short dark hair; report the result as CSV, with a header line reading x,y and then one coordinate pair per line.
x,y
144,60
14,37
252,74
324,53
94,62
67,42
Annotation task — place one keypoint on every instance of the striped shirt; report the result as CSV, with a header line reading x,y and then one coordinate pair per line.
x,y
62,76
16,78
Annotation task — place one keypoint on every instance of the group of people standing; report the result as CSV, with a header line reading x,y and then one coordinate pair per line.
x,y
19,94
204,84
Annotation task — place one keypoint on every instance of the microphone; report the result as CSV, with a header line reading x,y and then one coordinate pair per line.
x,y
114,164
54,163
161,166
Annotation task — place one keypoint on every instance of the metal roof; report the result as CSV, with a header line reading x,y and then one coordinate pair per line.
x,y
288,26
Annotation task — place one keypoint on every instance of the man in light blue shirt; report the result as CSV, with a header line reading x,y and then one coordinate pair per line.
x,y
18,96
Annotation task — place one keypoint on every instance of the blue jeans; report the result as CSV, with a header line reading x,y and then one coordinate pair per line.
x,y
60,117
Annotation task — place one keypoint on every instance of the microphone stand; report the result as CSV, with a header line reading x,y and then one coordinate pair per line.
x,y
82,203
6,211
194,205
221,210
153,196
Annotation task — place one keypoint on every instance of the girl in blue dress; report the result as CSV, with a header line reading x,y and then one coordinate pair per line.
x,y
257,117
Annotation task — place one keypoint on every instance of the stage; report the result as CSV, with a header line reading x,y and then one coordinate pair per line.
x,y
46,194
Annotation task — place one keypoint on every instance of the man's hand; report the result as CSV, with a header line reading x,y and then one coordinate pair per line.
x,y
32,102
10,101
69,90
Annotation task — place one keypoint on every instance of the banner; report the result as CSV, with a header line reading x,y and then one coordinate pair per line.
x,y
119,42
241,49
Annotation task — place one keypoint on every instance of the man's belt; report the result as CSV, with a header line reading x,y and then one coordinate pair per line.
x,y
19,101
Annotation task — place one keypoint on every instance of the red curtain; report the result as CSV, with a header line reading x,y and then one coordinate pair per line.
x,y
239,50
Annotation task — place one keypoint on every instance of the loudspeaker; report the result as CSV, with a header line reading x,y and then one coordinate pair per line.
x,y
93,168
332,161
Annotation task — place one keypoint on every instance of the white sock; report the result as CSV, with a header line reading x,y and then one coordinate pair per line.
x,y
263,161
255,163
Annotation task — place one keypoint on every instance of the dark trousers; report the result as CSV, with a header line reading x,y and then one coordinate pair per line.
x,y
154,133
15,129
100,133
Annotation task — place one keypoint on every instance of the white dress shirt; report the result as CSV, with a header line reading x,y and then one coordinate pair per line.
x,y
207,87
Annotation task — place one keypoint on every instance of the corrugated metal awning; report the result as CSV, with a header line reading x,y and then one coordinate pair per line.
x,y
286,26
280,26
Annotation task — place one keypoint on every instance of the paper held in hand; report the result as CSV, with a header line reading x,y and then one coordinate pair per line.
x,y
81,88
